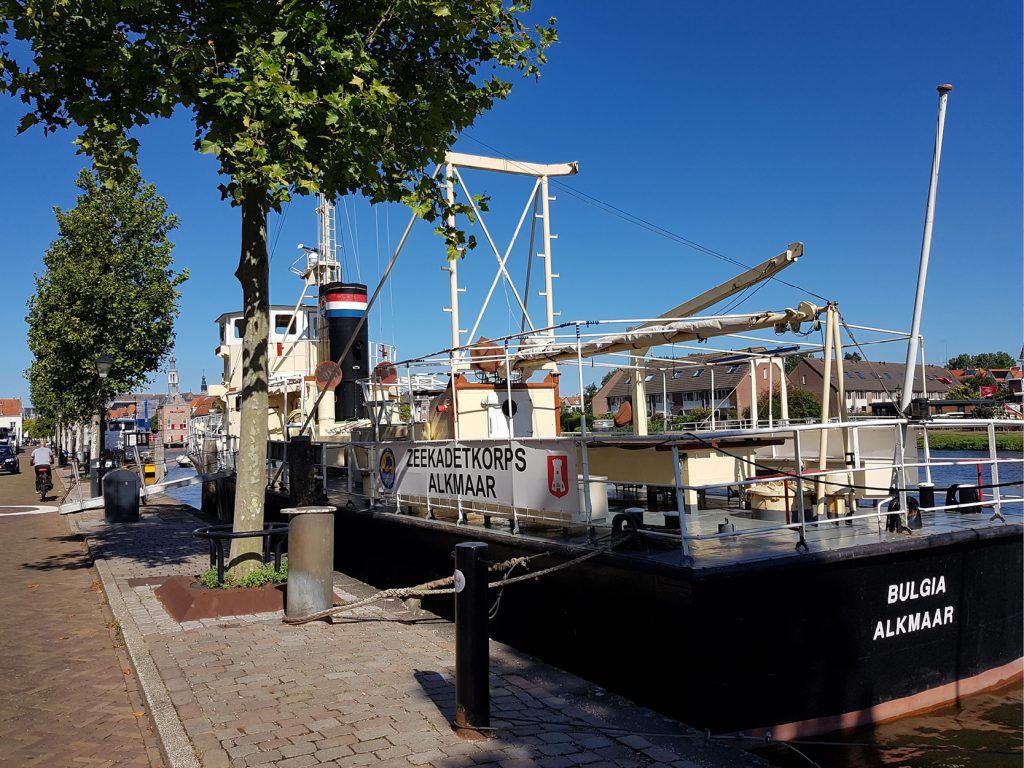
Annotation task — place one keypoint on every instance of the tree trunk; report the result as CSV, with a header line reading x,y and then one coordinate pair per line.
x,y
251,480
97,438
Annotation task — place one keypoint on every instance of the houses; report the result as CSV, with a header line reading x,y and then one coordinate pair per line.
x,y
11,429
1013,378
692,382
867,382
572,403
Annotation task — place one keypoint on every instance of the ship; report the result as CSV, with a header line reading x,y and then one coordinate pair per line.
x,y
743,572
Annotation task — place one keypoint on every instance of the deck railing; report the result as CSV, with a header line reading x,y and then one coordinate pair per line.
x,y
814,495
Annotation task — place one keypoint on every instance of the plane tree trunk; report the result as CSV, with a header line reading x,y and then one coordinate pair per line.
x,y
254,274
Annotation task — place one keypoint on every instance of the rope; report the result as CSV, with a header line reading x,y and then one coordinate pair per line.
x,y
444,586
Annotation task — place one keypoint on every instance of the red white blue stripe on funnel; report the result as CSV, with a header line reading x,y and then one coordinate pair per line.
x,y
344,304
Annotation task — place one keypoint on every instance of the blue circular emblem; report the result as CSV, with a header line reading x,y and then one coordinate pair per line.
x,y
387,466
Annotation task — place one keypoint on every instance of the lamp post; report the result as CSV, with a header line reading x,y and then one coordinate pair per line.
x,y
103,365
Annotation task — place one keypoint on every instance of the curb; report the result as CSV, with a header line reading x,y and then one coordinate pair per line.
x,y
175,746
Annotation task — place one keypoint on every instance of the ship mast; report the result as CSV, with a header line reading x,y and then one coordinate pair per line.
x,y
926,247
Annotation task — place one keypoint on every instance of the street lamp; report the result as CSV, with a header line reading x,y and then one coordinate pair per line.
x,y
103,364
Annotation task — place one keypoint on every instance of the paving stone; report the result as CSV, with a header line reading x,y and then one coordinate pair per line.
x,y
354,693
66,687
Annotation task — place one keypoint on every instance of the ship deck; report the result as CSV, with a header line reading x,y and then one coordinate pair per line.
x,y
754,540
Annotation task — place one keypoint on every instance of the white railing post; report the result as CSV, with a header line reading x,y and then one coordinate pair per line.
x,y
798,456
587,504
901,470
512,434
997,504
680,502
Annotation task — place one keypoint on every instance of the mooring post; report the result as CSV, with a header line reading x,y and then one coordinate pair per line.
x,y
207,460
472,653
310,560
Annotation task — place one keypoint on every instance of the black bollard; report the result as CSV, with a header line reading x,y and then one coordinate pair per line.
x,y
472,653
927,493
969,495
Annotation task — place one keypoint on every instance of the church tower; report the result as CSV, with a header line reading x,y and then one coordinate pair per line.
x,y
172,380
203,389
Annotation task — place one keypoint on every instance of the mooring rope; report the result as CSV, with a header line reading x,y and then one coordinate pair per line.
x,y
445,586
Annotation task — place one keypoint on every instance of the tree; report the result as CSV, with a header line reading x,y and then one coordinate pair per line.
x,y
802,405
853,356
108,287
604,379
982,360
290,97
793,361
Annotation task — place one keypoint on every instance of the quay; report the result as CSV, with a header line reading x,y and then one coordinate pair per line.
x,y
373,688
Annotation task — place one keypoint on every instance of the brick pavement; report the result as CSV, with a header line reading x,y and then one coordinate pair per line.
x,y
375,689
67,693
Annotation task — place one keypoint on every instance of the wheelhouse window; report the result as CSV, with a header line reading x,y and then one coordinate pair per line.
x,y
284,324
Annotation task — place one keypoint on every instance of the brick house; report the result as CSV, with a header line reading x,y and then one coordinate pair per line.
x,y
866,383
687,383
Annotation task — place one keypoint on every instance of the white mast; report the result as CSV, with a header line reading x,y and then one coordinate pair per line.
x,y
926,247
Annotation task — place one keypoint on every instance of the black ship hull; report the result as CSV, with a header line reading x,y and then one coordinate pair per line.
x,y
801,645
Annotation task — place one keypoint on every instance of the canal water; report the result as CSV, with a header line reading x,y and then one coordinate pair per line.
x,y
983,731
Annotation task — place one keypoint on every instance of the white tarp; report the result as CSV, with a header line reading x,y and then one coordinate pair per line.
x,y
669,332
535,474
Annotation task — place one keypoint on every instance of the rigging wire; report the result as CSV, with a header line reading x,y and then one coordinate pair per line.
x,y
650,226
280,228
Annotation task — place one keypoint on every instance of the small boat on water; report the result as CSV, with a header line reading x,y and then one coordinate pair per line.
x,y
183,461
743,572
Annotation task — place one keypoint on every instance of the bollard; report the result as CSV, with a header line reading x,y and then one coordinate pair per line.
x,y
927,493
96,472
310,560
302,487
472,651
209,503
969,495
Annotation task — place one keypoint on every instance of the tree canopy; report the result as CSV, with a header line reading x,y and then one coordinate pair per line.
x,y
108,287
290,97
981,360
802,405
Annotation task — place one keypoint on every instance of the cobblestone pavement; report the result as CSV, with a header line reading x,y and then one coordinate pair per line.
x,y
67,693
375,689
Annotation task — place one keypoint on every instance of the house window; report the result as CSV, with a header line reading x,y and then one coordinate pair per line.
x,y
677,374
648,377
698,373
239,328
803,379
284,324
764,374
733,368
888,375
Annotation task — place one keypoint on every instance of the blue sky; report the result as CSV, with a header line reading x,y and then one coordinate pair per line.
x,y
743,126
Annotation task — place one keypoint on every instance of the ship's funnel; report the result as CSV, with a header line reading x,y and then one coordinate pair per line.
x,y
341,306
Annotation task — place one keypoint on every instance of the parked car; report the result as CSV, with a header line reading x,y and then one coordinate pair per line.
x,y
9,460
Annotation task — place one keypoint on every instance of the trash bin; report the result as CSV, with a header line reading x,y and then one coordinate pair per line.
x,y
96,472
121,496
